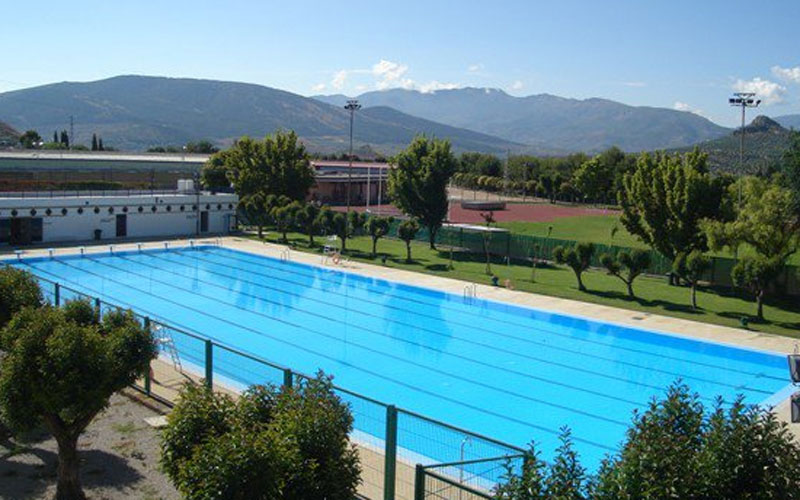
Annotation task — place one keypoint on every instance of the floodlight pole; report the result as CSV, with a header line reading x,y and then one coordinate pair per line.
x,y
743,100
352,106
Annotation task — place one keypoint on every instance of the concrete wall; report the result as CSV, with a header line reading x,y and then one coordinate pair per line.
x,y
147,216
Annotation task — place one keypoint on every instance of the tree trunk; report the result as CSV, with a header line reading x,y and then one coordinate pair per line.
x,y
260,231
580,282
408,251
374,247
630,289
694,295
285,239
311,238
344,243
760,302
69,483
432,237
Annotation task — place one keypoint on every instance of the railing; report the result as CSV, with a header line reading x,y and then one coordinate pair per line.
x,y
391,440
465,479
90,193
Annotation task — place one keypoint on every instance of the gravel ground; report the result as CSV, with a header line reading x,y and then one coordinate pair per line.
x,y
119,457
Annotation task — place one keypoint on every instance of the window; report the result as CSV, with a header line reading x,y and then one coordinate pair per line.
x,y
33,212
169,208
63,211
14,213
183,208
140,209
80,210
48,212
110,210
97,210
153,209
194,208
208,206
230,206
125,210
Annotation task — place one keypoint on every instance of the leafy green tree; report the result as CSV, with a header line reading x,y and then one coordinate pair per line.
x,y
65,139
407,231
377,227
578,258
283,216
676,450
480,164
307,219
214,174
691,268
790,167
765,223
665,198
593,179
346,225
201,147
60,368
18,289
277,166
290,443
627,266
418,183
30,139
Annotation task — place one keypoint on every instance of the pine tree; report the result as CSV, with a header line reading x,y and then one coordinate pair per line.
x,y
64,138
94,142
100,144
55,136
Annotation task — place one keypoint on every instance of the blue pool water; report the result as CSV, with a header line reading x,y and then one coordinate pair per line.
x,y
513,373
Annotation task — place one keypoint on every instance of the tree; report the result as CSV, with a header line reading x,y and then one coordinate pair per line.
x,y
55,136
488,218
277,166
790,167
307,219
377,227
94,142
65,139
214,174
764,222
691,268
627,266
60,368
593,179
675,449
346,225
30,139
201,147
283,216
18,290
665,198
100,146
578,258
288,443
407,231
418,183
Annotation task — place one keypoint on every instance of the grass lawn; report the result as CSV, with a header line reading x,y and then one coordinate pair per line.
x,y
596,229
654,295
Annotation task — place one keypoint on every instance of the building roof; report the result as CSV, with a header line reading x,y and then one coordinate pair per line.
x,y
38,154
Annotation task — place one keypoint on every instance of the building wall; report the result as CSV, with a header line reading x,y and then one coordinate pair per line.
x,y
147,216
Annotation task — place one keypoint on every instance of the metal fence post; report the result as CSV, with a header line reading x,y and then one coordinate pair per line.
x,y
57,293
288,378
209,364
419,482
390,455
147,378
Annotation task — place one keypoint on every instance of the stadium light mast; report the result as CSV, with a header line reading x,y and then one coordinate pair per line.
x,y
743,100
352,106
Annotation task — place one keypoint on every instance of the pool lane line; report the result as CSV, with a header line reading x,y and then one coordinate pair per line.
x,y
383,283
458,338
392,356
434,395
521,326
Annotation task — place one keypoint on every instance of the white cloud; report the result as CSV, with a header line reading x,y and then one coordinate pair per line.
x,y
433,86
318,87
474,68
634,84
683,106
339,79
390,74
517,85
787,74
767,91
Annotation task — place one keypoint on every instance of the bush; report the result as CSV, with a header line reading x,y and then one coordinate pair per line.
x,y
289,443
18,289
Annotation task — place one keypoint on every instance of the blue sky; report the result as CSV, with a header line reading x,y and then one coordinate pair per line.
x,y
679,54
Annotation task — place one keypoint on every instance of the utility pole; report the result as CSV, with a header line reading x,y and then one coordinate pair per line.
x,y
352,106
743,100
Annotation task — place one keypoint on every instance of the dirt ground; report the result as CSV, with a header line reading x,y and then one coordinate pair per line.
x,y
119,457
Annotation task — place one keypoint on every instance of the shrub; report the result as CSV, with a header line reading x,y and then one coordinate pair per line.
x,y
18,289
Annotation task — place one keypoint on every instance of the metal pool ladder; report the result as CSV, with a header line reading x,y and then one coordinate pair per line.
x,y
164,338
286,254
470,292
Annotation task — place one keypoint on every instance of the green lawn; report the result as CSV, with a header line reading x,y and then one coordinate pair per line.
x,y
654,294
596,229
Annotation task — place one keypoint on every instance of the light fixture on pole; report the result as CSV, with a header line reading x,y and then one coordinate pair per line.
x,y
352,106
743,100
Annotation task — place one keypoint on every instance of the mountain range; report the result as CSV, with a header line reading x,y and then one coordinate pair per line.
x,y
136,112
548,121
789,121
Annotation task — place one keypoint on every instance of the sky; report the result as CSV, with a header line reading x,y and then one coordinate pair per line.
x,y
687,55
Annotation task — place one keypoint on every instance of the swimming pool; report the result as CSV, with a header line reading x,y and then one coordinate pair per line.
x,y
514,373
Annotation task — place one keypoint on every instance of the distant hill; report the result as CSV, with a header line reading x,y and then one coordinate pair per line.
x,y
789,121
765,140
136,112
8,136
549,122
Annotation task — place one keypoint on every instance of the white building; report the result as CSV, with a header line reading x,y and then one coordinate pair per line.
x,y
62,217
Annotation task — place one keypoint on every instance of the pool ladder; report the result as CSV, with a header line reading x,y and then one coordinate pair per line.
x,y
286,254
470,292
164,339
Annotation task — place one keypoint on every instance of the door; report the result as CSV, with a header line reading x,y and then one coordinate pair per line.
x,y
204,221
21,231
122,225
